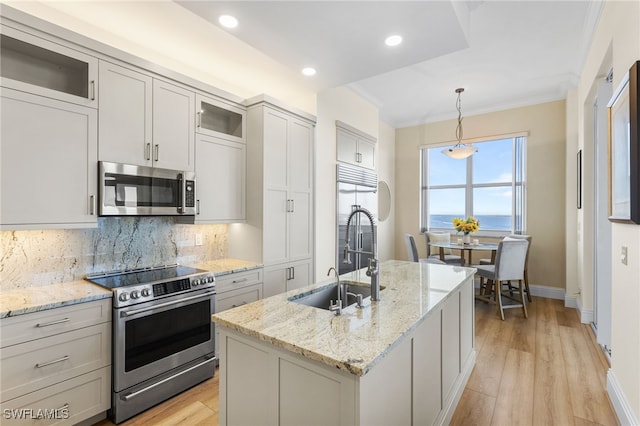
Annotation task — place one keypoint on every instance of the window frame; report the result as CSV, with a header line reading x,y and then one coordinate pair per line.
x,y
518,184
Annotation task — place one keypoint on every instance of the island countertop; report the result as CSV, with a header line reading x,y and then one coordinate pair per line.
x,y
359,338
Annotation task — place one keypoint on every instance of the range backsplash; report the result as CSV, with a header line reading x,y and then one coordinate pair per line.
x,y
37,258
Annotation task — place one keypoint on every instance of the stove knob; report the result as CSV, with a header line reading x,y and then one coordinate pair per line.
x,y
146,292
135,294
195,282
210,279
124,297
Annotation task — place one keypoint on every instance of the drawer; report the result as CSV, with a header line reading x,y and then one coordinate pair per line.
x,y
238,280
66,403
27,327
33,365
239,297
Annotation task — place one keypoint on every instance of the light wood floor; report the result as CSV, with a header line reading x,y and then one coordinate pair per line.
x,y
544,370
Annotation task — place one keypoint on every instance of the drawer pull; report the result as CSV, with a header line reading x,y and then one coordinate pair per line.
x,y
47,324
241,280
241,304
55,361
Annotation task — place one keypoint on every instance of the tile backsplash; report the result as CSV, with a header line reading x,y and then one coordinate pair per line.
x,y
37,258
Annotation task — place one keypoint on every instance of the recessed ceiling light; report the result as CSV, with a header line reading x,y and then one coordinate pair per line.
x,y
393,40
228,21
308,71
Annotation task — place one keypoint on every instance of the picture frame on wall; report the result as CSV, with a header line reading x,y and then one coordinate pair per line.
x,y
624,150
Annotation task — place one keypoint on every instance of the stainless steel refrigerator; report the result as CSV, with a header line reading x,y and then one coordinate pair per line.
x,y
356,187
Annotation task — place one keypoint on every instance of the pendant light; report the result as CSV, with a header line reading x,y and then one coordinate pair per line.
x,y
459,151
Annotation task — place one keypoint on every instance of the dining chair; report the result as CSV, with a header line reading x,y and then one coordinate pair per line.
x,y
441,237
529,238
509,267
412,251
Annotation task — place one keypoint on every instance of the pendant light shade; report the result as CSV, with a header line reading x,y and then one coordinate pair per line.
x,y
459,151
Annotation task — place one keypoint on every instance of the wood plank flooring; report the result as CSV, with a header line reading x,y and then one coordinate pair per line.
x,y
544,370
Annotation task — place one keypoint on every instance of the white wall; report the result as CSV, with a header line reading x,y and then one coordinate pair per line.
x,y
344,105
617,32
545,179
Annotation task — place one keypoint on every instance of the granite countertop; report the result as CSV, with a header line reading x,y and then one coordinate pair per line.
x,y
32,299
359,338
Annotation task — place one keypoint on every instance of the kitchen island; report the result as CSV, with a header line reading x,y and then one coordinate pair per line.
x,y
402,360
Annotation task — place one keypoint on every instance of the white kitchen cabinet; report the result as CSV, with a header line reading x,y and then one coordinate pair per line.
x,y
237,289
287,276
125,132
49,162
280,200
221,119
145,120
221,173
58,359
33,64
355,147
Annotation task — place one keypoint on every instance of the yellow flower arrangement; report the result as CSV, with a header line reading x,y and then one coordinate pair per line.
x,y
468,225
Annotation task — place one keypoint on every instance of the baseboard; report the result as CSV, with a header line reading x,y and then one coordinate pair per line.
x,y
548,292
586,315
458,388
620,404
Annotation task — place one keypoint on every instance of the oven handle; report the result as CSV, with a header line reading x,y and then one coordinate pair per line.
x,y
165,380
162,305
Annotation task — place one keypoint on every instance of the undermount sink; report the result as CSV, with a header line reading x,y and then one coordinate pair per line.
x,y
322,297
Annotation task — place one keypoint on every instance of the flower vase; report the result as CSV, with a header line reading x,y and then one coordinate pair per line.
x,y
466,239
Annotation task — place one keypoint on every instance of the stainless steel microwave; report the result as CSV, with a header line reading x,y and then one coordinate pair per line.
x,y
129,190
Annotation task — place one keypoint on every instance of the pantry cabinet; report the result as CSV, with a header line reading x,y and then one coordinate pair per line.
x,y
280,149
145,120
49,170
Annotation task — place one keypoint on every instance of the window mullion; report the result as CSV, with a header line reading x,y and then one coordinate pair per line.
x,y
469,188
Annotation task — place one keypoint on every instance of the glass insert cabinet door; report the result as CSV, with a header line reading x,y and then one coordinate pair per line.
x,y
220,119
37,66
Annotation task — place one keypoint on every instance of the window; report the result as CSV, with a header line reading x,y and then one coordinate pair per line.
x,y
489,185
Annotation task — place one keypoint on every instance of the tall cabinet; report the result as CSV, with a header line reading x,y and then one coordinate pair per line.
x,y
280,149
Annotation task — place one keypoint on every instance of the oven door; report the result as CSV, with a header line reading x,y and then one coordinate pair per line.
x,y
154,337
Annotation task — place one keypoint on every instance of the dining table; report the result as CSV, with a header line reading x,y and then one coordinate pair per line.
x,y
465,248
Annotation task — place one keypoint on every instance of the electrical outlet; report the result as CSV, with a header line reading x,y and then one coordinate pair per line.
x,y
623,255
198,239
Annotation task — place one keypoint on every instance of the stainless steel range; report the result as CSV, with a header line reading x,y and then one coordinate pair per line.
x,y
163,338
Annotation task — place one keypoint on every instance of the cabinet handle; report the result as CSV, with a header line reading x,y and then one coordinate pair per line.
x,y
47,324
293,273
92,205
199,123
293,206
288,206
157,152
93,90
241,304
197,207
288,274
241,280
147,151
55,361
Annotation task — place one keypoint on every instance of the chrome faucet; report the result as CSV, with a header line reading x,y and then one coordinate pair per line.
x,y
372,270
337,305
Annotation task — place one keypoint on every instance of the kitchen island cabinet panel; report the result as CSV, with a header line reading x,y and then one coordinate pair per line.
x,y
395,361
49,163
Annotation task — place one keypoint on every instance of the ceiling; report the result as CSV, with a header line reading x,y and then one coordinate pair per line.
x,y
504,54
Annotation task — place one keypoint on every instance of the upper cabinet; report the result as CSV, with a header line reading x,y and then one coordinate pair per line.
x,y
144,120
49,169
220,119
355,147
35,65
